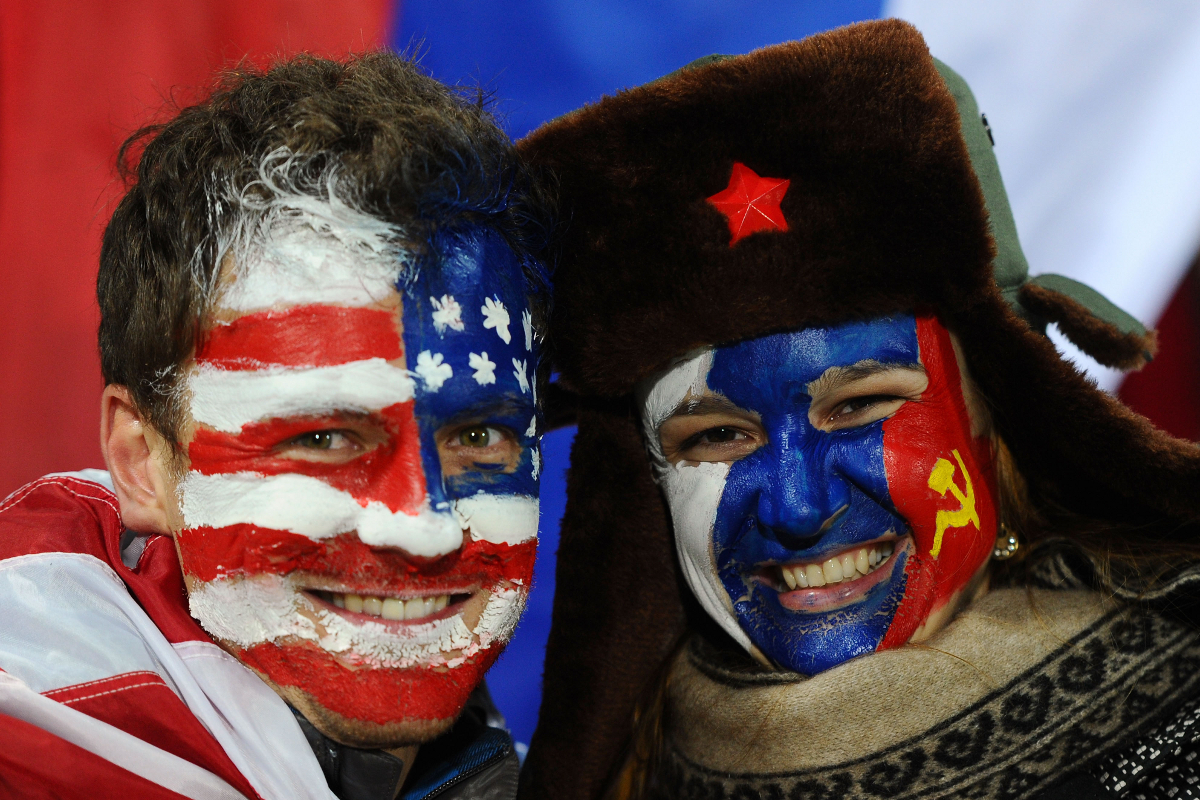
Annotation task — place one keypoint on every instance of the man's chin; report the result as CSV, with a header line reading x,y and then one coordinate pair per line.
x,y
368,707
362,733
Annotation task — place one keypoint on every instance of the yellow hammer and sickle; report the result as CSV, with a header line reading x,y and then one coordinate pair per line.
x,y
941,480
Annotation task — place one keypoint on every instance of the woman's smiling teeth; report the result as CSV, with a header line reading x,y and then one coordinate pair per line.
x,y
848,566
391,608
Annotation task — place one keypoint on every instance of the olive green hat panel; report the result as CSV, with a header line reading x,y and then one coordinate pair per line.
x,y
1010,267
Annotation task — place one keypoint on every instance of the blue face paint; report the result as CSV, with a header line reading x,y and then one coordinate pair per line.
x,y
468,342
806,495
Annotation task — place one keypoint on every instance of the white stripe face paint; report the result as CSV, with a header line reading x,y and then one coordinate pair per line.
x,y
499,518
257,609
323,254
693,491
312,508
663,393
230,399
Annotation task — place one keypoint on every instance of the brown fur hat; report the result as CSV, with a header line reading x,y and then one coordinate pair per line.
x,y
887,211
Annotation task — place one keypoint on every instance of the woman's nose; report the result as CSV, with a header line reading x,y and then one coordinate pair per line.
x,y
800,502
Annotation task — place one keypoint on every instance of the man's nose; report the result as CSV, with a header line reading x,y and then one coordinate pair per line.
x,y
423,536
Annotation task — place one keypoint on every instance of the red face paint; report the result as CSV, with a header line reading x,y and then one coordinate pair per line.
x,y
302,336
391,472
938,472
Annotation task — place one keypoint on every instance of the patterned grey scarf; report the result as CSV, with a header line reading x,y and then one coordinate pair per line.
x,y
1024,687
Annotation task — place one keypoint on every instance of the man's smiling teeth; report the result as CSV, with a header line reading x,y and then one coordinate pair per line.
x,y
393,608
849,566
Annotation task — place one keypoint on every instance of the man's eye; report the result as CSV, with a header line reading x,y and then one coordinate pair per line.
x,y
480,436
321,440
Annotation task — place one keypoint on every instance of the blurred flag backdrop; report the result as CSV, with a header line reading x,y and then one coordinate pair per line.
x,y
1089,101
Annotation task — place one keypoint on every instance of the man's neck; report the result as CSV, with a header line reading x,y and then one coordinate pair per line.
x,y
407,754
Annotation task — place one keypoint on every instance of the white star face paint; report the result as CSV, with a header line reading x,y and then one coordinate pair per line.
x,y
484,370
495,315
432,370
447,313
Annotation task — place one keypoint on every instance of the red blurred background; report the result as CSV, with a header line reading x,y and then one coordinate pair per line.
x,y
75,79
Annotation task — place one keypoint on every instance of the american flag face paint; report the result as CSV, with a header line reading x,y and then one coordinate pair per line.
x,y
360,514
902,503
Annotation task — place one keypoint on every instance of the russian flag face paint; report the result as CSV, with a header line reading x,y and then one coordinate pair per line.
x,y
359,518
830,494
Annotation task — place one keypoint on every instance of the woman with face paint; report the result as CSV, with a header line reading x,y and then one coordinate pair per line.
x,y
842,523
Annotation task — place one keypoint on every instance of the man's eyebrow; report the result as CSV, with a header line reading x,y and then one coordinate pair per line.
x,y
708,404
837,377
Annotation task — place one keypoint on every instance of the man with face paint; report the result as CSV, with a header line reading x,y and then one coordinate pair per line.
x,y
841,522
321,302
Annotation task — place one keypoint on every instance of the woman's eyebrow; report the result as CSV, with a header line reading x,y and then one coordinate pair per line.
x,y
837,377
708,404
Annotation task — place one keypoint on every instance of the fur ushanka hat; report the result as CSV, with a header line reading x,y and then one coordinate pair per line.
x,y
894,204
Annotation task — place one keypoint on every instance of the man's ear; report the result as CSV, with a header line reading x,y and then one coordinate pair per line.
x,y
138,460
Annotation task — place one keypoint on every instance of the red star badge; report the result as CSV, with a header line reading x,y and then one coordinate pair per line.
x,y
751,203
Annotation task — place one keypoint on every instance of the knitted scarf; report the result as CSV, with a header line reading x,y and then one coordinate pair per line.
x,y
1024,687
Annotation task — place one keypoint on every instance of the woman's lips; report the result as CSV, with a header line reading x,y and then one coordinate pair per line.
x,y
839,580
391,610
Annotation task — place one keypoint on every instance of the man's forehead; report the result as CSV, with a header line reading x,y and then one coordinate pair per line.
x,y
341,257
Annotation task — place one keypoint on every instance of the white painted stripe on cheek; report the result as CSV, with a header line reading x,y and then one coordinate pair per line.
x,y
693,495
228,399
312,508
499,518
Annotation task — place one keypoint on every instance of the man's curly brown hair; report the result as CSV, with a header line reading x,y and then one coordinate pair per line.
x,y
374,130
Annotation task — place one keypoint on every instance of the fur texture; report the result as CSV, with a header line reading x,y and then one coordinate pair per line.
x,y
1095,337
885,214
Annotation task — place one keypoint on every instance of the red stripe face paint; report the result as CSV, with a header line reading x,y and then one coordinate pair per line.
x,y
322,543
303,336
390,473
942,480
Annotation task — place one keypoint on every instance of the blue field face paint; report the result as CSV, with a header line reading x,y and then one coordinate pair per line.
x,y
894,495
469,342
778,499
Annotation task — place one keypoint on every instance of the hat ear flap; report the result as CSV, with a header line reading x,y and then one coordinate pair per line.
x,y
618,612
1094,325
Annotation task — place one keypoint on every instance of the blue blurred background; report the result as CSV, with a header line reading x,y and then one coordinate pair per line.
x,y
540,59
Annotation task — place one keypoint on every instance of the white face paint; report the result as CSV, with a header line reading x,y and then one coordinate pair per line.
x,y
693,491
310,507
269,608
345,570
228,400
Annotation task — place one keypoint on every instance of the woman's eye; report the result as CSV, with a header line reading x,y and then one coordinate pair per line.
x,y
720,435
480,436
858,404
